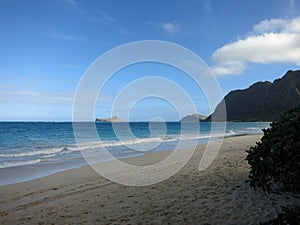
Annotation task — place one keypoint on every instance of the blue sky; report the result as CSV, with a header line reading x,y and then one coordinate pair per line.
x,y
47,45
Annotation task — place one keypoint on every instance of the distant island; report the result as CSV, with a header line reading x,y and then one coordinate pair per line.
x,y
113,119
193,118
263,101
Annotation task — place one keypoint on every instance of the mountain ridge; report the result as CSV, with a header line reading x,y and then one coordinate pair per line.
x,y
263,100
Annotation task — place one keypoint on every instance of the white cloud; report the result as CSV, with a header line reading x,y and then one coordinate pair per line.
x,y
270,25
169,28
266,48
229,68
278,25
272,41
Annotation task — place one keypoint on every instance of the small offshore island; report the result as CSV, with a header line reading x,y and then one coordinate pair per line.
x,y
113,119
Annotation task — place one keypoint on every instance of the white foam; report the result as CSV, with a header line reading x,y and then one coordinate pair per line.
x,y
19,163
45,151
52,152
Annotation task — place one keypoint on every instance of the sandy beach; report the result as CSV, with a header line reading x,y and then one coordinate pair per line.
x,y
218,195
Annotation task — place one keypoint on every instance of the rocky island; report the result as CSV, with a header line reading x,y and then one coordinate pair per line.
x,y
113,119
193,118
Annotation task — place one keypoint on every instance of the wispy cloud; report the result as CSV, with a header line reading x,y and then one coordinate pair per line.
x,y
292,8
97,15
70,66
76,7
93,15
73,3
35,97
207,7
124,32
105,17
169,28
67,37
7,86
271,41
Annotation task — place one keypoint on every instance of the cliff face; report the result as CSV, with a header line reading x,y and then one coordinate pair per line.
x,y
263,101
113,119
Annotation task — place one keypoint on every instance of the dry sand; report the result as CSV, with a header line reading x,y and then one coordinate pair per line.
x,y
218,195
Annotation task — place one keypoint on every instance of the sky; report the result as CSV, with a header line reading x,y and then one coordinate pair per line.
x,y
46,47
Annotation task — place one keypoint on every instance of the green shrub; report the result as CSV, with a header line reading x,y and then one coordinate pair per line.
x,y
276,158
289,216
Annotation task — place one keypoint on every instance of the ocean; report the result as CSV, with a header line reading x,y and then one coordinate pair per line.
x,y
30,150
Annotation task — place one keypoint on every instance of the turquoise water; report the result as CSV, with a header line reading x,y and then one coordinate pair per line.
x,y
41,148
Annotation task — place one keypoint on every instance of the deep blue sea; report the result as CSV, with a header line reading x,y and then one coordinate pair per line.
x,y
30,150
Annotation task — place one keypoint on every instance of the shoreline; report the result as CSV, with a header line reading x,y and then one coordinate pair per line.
x,y
218,195
25,173
37,153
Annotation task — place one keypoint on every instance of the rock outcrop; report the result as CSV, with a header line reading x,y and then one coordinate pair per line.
x,y
193,118
113,119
